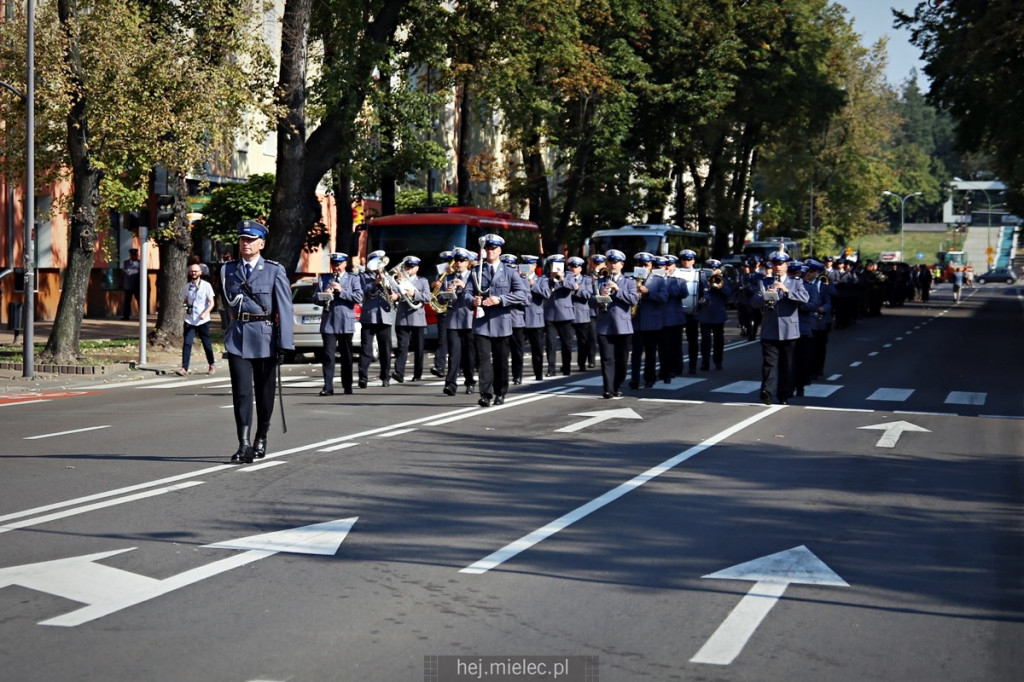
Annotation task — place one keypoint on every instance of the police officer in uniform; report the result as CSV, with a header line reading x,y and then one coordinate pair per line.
x,y
533,315
493,290
258,295
459,323
582,289
338,292
691,325
780,328
712,313
411,319
559,314
378,314
647,321
444,268
615,295
517,342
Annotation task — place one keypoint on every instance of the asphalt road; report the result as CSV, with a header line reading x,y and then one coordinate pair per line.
x,y
874,525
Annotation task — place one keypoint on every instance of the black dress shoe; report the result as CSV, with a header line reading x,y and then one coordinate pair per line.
x,y
259,447
244,454
362,383
449,390
539,377
416,378
607,395
516,382
766,396
499,400
550,373
326,392
635,385
397,377
436,372
648,384
385,383
470,389
348,391
800,393
590,365
617,394
484,402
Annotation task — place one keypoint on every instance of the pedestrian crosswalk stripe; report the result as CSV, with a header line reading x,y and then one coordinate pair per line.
x,y
739,387
821,390
897,395
965,398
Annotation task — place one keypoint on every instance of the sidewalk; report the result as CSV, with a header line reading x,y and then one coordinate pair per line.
x,y
157,362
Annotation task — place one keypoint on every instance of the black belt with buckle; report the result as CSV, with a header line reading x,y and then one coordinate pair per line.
x,y
250,317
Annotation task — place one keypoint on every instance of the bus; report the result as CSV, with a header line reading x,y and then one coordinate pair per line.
x,y
949,261
657,239
765,249
427,232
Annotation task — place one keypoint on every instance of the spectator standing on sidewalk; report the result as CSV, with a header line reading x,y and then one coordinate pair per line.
x,y
130,270
198,299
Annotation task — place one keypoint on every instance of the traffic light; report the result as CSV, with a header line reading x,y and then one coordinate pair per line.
x,y
164,210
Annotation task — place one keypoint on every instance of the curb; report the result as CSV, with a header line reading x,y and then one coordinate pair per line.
x,y
90,370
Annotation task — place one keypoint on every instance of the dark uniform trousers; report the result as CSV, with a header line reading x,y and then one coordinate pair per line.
x,y
381,332
492,352
563,331
410,336
517,351
614,350
645,348
441,354
535,337
334,343
692,329
461,355
584,345
249,376
803,362
777,367
671,351
712,343
820,350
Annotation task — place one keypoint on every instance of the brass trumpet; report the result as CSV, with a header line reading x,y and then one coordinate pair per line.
x,y
436,304
716,281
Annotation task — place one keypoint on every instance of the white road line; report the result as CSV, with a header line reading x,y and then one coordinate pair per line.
x,y
739,387
478,412
258,467
837,409
99,505
340,446
112,493
65,433
835,377
898,395
399,432
965,398
674,401
522,544
821,390
855,364
872,353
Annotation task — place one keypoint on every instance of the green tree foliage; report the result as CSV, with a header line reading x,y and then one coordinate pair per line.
x,y
127,85
973,53
231,204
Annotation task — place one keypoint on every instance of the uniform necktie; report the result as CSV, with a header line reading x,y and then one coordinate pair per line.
x,y
248,270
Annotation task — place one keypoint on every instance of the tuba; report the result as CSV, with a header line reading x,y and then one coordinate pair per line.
x,y
384,290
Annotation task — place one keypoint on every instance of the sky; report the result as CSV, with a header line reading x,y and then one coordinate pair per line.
x,y
872,19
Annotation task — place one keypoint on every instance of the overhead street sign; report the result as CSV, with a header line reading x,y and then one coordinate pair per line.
x,y
105,589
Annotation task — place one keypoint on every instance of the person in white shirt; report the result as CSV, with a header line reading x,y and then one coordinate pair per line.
x,y
198,300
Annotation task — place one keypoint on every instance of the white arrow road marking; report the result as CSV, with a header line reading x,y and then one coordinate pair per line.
x,y
105,589
893,430
771,575
597,418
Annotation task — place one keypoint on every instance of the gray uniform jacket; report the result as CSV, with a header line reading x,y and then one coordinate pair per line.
x,y
782,323
376,309
269,286
460,313
649,312
507,285
581,299
405,316
617,319
539,292
558,307
339,316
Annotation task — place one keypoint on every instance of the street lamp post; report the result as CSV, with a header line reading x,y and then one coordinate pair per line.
x,y
988,232
903,215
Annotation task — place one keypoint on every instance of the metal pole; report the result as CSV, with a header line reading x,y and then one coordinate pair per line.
x,y
28,353
143,291
903,220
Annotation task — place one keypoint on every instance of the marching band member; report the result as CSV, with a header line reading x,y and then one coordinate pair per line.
x,y
652,292
712,313
595,265
338,292
517,342
497,287
582,288
691,325
558,314
673,318
749,318
379,299
441,354
262,327
823,318
459,320
614,322
803,353
539,291
411,319
780,328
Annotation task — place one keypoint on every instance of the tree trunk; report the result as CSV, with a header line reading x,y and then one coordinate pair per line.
x,y
463,184
62,346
